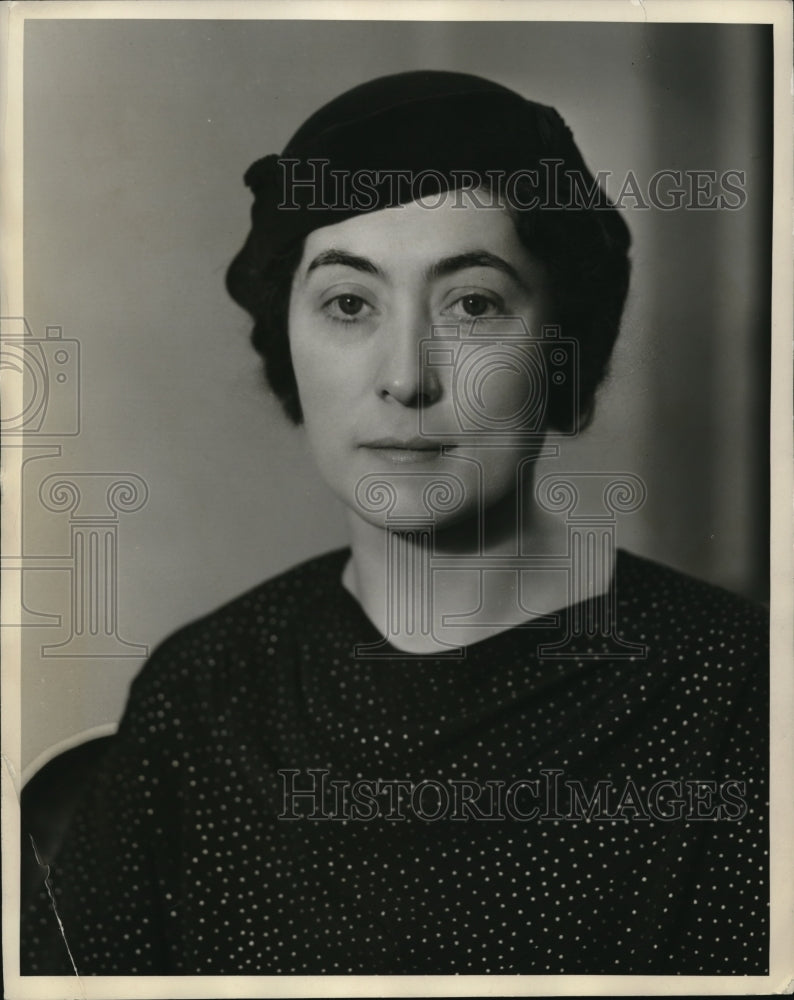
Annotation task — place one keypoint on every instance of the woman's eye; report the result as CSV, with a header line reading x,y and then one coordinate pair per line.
x,y
350,305
475,304
347,308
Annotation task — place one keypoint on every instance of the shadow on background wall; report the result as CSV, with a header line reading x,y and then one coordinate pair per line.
x,y
711,393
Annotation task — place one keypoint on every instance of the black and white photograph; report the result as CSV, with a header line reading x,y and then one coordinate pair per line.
x,y
397,483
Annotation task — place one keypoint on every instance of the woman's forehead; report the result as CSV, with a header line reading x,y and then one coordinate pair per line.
x,y
440,226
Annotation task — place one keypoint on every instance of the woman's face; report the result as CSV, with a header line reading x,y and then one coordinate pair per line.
x,y
393,405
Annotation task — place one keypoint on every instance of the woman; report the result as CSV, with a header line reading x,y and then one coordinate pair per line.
x,y
479,740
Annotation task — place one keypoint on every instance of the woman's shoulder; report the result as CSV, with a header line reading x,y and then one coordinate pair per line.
x,y
660,590
196,660
693,632
282,597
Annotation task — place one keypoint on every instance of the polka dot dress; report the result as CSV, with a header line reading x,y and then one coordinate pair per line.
x,y
274,804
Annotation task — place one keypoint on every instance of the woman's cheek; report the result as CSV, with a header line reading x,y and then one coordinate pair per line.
x,y
325,390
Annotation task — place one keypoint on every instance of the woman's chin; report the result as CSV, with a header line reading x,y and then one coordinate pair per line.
x,y
415,522
453,514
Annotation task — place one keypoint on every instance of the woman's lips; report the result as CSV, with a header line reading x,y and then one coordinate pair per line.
x,y
408,450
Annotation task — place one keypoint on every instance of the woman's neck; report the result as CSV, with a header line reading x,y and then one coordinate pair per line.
x,y
427,592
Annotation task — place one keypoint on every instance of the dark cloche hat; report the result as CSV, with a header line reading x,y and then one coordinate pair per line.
x,y
393,139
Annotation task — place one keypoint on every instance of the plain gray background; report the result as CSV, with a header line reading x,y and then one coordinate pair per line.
x,y
137,134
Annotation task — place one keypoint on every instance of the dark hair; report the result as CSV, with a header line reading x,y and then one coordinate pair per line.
x,y
585,252
263,290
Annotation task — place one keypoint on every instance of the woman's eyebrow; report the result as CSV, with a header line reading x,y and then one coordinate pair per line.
x,y
473,258
439,269
333,256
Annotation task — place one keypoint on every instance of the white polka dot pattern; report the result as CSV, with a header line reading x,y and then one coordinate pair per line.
x,y
179,863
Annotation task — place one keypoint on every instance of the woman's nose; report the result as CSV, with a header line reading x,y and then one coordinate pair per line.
x,y
404,374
